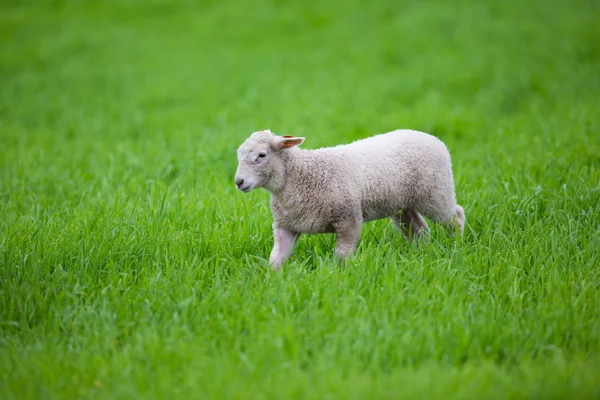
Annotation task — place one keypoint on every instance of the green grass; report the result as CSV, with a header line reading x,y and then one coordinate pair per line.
x,y
130,267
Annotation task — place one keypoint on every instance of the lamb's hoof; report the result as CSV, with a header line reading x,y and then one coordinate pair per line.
x,y
419,238
342,261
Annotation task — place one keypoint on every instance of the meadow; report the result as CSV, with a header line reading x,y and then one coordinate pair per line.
x,y
131,267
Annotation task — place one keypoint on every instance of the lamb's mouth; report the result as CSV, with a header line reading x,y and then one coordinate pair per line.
x,y
245,189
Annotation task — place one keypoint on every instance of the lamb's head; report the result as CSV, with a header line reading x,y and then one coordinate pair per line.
x,y
261,160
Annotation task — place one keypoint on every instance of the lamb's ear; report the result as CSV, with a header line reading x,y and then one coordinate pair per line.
x,y
285,142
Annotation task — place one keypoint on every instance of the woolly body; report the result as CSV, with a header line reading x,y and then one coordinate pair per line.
x,y
395,175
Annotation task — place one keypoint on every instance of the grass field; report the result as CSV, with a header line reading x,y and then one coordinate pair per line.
x,y
130,267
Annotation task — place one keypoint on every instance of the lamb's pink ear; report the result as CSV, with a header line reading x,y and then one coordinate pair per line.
x,y
285,142
291,141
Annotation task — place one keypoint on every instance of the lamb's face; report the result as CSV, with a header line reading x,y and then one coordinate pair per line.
x,y
259,159
254,162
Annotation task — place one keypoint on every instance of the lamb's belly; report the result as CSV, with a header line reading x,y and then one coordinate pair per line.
x,y
306,224
373,211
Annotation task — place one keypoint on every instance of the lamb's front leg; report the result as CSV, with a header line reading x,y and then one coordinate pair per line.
x,y
347,236
283,247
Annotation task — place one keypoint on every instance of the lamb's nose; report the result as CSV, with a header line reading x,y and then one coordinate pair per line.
x,y
239,182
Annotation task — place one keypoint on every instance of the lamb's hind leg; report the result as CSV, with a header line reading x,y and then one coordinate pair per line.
x,y
347,236
411,224
457,220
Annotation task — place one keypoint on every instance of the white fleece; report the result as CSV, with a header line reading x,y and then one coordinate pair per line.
x,y
399,175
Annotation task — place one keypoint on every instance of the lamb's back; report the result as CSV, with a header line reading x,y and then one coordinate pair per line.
x,y
394,170
400,151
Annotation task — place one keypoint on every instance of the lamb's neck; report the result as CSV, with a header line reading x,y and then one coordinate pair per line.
x,y
293,174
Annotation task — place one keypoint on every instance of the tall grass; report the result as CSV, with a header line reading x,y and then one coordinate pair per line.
x,y
131,267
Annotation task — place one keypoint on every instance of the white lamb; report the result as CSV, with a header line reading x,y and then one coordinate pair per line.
x,y
398,175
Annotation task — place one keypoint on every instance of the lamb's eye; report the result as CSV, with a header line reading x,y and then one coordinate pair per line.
x,y
262,155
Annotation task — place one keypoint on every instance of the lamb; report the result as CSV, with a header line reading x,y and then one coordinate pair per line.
x,y
401,175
